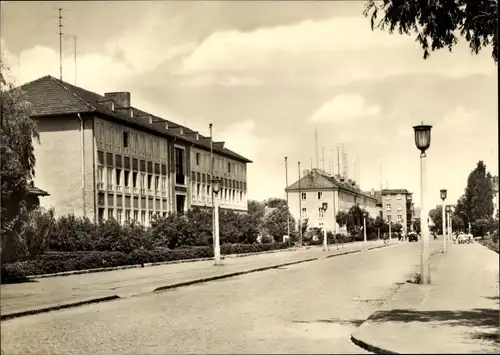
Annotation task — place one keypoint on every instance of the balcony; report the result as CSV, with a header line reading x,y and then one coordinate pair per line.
x,y
118,188
110,187
100,186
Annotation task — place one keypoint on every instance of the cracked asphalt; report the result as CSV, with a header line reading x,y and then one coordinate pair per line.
x,y
306,308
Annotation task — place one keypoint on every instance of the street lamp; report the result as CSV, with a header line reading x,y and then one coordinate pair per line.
x,y
423,141
215,190
443,213
324,206
365,215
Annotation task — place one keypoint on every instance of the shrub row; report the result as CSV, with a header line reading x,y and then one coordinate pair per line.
x,y
491,243
54,262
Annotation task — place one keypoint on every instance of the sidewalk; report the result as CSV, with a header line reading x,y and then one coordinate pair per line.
x,y
457,313
45,294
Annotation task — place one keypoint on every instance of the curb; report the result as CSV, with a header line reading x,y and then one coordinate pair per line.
x,y
5,317
135,266
371,348
382,246
344,253
225,276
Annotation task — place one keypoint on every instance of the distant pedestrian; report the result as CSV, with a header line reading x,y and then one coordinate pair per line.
x,y
386,239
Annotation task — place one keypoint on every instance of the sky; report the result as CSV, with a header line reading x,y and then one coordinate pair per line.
x,y
267,75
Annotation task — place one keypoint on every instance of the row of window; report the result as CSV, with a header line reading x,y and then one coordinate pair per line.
x,y
128,215
227,194
399,217
343,197
224,182
398,197
201,160
389,207
132,142
111,177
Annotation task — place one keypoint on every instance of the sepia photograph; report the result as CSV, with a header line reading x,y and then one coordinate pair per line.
x,y
249,177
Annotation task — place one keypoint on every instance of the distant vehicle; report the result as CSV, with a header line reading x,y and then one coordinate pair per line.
x,y
412,237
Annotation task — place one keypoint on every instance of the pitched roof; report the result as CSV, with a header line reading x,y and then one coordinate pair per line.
x,y
49,96
319,180
395,192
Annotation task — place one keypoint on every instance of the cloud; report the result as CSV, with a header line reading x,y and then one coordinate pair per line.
x,y
345,108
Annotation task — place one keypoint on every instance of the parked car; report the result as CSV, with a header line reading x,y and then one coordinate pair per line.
x,y
412,237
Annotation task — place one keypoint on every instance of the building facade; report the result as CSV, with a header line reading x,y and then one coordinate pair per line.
x,y
494,183
397,207
102,158
306,197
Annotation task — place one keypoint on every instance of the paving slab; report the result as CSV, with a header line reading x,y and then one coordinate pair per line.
x,y
457,313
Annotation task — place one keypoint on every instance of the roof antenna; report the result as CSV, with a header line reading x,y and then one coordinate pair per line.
x,y
60,44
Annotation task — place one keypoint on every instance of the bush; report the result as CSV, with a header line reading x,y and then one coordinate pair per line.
x,y
72,233
54,262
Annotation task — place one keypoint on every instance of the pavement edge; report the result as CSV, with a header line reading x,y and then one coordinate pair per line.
x,y
231,274
31,312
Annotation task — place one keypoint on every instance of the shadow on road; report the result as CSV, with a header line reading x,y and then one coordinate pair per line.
x,y
482,321
17,280
355,322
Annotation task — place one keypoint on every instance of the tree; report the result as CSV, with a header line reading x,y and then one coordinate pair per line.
x,y
17,165
461,213
416,225
436,214
275,223
274,202
436,23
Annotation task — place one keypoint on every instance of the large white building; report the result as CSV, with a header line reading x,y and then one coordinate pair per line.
x,y
100,157
306,197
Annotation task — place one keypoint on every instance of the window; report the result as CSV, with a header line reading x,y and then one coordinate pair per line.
x,y
100,173
126,175
304,213
134,179
241,196
150,181
208,190
179,166
157,183
229,168
126,139
399,208
388,197
400,217
198,189
303,195
197,158
143,217
136,216
319,195
127,215
110,177
225,194
101,214
165,214
388,207
142,181
320,212
118,176
150,216
110,213
119,216
163,183
234,195
398,197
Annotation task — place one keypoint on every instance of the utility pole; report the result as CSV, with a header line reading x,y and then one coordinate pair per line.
x,y
212,179
323,156
338,160
287,206
60,44
75,39
300,211
317,153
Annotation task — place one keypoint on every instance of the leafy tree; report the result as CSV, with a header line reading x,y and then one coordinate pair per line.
x,y
275,202
397,228
416,225
479,198
437,217
17,165
436,23
342,218
380,224
461,213
275,223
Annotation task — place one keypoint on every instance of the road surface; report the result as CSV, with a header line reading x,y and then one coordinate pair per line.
x,y
305,308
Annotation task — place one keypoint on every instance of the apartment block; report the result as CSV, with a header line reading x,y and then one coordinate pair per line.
x,y
307,195
100,157
397,207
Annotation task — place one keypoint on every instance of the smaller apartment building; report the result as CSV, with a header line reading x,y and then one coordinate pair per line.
x,y
397,207
306,197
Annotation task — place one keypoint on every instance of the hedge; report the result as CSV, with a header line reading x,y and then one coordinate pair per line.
x,y
55,262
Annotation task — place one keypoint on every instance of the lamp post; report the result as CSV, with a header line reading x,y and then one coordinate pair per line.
x,y
365,214
423,141
324,206
450,224
390,225
443,213
215,189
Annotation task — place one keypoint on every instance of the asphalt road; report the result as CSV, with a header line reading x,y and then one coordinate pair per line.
x,y
305,308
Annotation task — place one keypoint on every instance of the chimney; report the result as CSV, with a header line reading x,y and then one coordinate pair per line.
x,y
121,99
108,104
